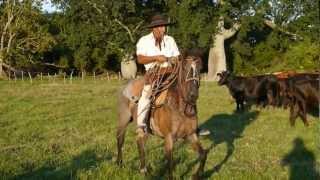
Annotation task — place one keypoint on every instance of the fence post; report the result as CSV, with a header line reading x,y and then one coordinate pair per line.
x,y
15,77
41,76
22,75
82,75
54,77
108,76
30,77
9,75
64,77
71,76
205,82
119,76
94,76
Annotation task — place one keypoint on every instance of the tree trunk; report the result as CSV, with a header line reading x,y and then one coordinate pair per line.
x,y
128,67
1,70
217,57
1,65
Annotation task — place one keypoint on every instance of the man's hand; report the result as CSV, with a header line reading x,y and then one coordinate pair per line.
x,y
150,59
161,59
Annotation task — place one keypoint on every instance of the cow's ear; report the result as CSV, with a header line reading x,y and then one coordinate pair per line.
x,y
219,74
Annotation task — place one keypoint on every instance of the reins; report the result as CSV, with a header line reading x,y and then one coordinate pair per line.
x,y
162,79
159,81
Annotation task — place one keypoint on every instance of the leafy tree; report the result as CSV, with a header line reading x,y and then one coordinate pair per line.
x,y
23,36
245,36
100,29
265,47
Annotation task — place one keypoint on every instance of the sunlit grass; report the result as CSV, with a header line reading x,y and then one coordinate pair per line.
x,y
63,130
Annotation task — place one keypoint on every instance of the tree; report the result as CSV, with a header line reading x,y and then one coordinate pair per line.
x,y
267,22
255,34
23,36
217,57
100,29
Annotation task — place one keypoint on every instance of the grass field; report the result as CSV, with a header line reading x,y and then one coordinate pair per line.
x,y
67,131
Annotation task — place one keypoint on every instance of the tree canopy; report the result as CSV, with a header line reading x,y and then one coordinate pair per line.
x,y
96,35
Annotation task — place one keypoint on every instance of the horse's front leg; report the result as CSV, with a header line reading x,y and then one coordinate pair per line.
x,y
141,140
196,146
169,154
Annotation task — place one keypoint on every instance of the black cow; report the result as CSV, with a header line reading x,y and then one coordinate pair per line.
x,y
260,90
305,97
283,85
301,93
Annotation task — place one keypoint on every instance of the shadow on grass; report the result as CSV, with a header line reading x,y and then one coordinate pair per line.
x,y
85,161
160,172
301,162
226,128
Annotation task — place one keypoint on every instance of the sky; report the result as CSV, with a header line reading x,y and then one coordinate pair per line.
x,y
48,7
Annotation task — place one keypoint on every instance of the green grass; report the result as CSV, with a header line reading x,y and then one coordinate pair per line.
x,y
67,131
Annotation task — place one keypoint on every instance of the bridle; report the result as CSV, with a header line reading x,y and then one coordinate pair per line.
x,y
195,77
195,74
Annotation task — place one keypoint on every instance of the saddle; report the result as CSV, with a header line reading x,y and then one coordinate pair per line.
x,y
133,92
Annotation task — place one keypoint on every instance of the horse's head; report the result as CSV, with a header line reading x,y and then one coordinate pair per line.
x,y
191,65
223,77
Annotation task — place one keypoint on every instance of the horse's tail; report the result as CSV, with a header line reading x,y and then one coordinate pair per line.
x,y
124,118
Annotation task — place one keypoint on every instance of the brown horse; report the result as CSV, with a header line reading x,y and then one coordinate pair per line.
x,y
175,119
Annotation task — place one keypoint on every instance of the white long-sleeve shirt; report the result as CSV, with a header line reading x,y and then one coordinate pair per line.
x,y
146,46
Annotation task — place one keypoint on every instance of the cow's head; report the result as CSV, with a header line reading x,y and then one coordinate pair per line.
x,y
223,77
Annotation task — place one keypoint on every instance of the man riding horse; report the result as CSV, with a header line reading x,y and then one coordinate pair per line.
x,y
173,117
154,49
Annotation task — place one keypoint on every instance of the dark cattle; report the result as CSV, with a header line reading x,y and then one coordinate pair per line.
x,y
260,90
266,90
297,76
283,98
305,97
300,92
283,84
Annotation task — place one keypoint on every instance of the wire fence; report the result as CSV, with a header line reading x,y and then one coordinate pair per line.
x,y
69,78
53,77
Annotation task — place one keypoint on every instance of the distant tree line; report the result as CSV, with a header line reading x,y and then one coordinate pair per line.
x,y
247,37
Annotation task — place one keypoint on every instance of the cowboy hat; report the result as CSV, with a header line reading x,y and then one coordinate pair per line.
x,y
158,20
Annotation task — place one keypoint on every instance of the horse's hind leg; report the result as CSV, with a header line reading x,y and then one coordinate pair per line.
x,y
123,121
202,154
